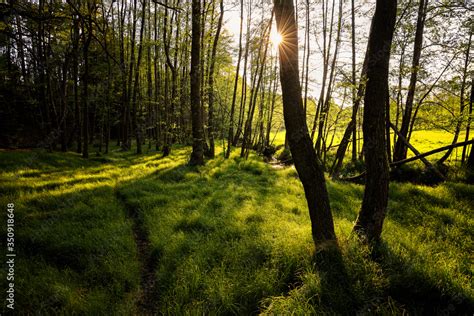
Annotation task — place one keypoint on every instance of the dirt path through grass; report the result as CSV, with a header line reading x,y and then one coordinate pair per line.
x,y
146,302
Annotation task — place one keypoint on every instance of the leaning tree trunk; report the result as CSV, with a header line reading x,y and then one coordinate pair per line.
x,y
197,156
374,205
306,162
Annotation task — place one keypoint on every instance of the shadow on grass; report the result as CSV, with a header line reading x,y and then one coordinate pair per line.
x,y
204,227
337,292
417,291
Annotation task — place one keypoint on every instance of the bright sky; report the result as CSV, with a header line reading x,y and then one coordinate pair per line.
x,y
232,24
364,12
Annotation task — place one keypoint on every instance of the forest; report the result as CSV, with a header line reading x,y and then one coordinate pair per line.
x,y
237,157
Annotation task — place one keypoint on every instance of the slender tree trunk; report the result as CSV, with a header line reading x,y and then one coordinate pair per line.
x,y
354,91
243,97
87,37
253,96
374,205
425,95
271,110
236,84
129,102
75,74
136,123
462,104
387,127
326,52
351,128
197,155
301,146
325,107
211,123
399,89
400,151
469,119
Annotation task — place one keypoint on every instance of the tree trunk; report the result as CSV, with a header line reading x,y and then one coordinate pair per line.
x,y
470,160
211,124
325,106
87,37
75,74
468,126
136,123
400,151
271,109
243,96
301,146
462,104
374,205
351,127
415,151
253,96
197,155
230,136
355,97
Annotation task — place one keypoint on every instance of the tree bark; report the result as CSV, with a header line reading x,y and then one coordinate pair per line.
x,y
230,136
87,38
468,126
306,162
211,123
400,151
136,123
355,97
197,155
374,205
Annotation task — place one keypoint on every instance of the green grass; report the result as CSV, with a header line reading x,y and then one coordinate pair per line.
x,y
231,237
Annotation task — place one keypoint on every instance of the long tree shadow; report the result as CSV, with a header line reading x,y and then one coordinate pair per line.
x,y
202,223
418,291
337,293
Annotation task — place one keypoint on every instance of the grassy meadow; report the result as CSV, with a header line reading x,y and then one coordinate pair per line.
x,y
231,237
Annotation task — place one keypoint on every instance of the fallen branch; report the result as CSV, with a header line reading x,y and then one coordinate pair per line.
x,y
416,152
431,152
414,158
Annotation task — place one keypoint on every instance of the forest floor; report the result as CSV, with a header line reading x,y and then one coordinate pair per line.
x,y
127,234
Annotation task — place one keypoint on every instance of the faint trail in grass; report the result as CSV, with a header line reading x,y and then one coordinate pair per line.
x,y
146,304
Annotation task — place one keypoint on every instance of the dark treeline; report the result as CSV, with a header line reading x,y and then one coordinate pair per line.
x,y
78,74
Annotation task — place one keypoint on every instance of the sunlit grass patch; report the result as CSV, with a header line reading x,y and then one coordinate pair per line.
x,y
73,241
